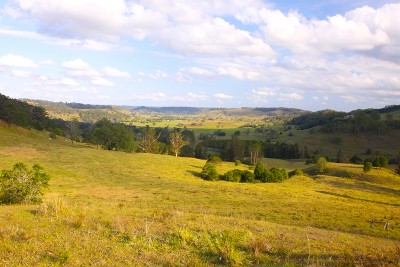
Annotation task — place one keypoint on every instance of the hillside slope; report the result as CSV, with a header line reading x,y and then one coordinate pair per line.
x,y
111,208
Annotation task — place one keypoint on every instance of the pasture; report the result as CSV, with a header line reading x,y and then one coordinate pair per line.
x,y
107,208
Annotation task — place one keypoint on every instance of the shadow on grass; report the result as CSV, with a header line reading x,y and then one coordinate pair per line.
x,y
356,198
364,187
197,174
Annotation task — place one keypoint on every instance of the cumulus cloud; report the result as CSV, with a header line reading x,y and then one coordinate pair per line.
x,y
11,60
55,81
102,82
21,73
76,64
111,72
223,96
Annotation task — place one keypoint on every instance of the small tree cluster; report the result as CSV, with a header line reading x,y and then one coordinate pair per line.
x,y
209,172
367,166
380,161
273,175
322,165
21,185
238,176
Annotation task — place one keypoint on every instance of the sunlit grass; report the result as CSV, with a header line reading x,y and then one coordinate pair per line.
x,y
107,208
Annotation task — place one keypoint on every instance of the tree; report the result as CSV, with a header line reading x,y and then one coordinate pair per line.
x,y
113,136
73,130
21,185
367,166
259,171
380,161
149,142
177,142
255,151
236,149
209,172
322,164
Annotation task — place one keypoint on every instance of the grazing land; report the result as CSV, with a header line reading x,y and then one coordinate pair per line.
x,y
109,208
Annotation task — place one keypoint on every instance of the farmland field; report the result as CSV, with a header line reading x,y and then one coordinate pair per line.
x,y
107,208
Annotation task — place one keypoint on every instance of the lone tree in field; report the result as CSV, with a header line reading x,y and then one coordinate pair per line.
x,y
73,130
21,185
322,165
177,142
149,142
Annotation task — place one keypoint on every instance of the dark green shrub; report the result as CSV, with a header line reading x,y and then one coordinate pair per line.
x,y
215,160
247,177
233,176
296,172
380,161
259,171
21,185
209,172
367,166
356,160
277,175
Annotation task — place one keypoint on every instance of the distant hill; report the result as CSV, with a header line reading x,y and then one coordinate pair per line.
x,y
84,112
244,111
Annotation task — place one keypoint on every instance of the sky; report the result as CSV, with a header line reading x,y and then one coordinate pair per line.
x,y
312,55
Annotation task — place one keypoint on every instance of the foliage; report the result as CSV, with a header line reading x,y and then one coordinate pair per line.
x,y
233,176
313,119
322,165
259,171
380,161
356,160
149,141
215,160
367,166
247,177
296,172
209,172
238,163
113,136
187,151
21,185
199,151
177,142
21,113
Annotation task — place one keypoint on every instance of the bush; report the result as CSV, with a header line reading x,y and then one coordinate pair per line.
x,y
367,166
259,171
296,172
232,176
238,163
380,161
356,160
209,172
247,177
215,160
21,185
322,165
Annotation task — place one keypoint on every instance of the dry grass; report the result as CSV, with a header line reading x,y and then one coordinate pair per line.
x,y
116,209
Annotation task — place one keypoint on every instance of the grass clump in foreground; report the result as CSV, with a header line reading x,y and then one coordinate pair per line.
x,y
108,208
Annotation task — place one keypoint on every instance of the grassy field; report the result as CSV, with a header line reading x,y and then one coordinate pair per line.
x,y
106,208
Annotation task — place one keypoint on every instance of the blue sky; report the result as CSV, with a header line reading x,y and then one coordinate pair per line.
x,y
311,55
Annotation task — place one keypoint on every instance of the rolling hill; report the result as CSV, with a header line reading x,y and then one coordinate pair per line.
x,y
112,208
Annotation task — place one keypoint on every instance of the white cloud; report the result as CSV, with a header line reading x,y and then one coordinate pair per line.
x,y
12,60
55,81
195,97
102,82
21,73
158,96
111,72
76,64
290,97
46,62
158,75
223,96
200,72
